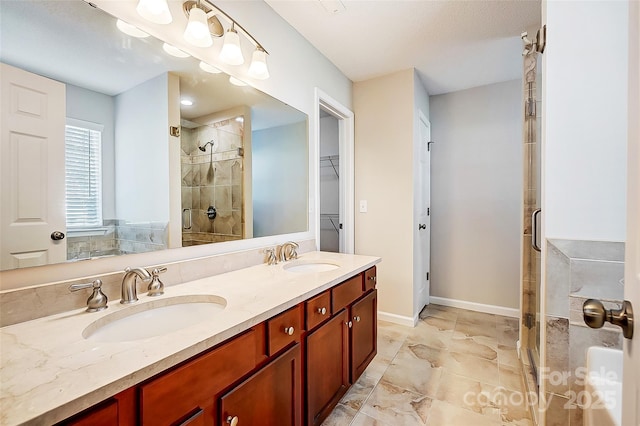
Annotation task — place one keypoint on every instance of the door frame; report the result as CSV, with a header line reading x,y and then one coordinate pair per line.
x,y
346,139
631,348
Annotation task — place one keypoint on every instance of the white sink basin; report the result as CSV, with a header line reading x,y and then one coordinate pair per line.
x,y
603,386
154,318
308,267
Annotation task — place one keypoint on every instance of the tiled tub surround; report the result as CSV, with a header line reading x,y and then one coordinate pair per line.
x,y
576,271
118,237
49,371
38,301
212,181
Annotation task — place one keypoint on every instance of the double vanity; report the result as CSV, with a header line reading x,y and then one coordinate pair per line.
x,y
267,344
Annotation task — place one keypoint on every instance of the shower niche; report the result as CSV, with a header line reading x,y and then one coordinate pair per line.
x,y
214,178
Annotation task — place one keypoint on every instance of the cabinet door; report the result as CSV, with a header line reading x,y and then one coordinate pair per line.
x,y
363,333
270,397
327,367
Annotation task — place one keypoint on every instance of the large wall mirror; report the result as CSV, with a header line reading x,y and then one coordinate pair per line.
x,y
126,149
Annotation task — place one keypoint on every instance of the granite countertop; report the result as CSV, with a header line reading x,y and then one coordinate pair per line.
x,y
50,372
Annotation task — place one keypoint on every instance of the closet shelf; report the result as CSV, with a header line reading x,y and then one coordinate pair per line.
x,y
333,219
332,161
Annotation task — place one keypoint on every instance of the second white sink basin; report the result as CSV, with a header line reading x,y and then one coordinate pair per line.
x,y
154,318
302,266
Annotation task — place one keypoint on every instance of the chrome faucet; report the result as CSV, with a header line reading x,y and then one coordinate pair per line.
x,y
288,251
129,289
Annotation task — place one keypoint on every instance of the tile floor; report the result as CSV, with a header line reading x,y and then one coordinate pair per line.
x,y
455,368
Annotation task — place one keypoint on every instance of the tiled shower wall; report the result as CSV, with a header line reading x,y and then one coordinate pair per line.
x,y
212,181
576,271
119,237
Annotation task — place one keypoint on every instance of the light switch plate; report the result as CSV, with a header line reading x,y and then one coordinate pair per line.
x,y
363,206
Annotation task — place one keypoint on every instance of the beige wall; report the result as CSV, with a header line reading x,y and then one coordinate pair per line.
x,y
384,113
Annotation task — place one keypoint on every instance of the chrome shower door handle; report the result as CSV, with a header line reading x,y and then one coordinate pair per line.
x,y
534,231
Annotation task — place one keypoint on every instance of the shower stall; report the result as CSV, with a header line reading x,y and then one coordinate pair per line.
x,y
213,207
531,256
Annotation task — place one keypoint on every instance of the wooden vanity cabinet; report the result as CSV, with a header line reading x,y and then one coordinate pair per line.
x,y
270,397
338,351
290,370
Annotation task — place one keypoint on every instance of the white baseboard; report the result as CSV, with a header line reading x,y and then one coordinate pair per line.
x,y
478,307
398,319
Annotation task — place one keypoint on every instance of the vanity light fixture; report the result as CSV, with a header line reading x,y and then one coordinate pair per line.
x,y
156,11
186,102
258,68
209,68
131,30
197,32
174,51
203,23
231,52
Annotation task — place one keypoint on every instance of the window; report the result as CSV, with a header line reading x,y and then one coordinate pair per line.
x,y
83,174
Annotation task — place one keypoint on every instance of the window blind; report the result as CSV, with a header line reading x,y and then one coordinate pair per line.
x,y
83,174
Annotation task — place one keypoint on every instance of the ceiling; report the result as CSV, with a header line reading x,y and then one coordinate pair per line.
x,y
453,45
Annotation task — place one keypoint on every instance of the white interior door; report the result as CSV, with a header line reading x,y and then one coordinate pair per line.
x,y
423,227
631,367
32,113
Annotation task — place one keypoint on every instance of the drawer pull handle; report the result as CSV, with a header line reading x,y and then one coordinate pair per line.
x,y
289,331
356,318
322,311
372,278
349,324
233,421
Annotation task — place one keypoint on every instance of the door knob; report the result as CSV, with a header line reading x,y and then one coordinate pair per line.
x,y
57,235
595,315
422,226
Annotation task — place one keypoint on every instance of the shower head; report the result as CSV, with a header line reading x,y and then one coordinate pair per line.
x,y
203,148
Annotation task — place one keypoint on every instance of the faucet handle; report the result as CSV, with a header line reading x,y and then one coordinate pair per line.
x,y
98,300
270,256
156,287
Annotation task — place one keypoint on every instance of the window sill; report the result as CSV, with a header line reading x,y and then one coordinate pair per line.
x,y
98,231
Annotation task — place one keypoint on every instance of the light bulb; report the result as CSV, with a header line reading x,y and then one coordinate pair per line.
x,y
174,51
197,31
258,68
209,68
156,11
131,30
231,52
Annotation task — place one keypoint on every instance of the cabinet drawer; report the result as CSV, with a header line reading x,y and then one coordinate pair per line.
x,y
284,329
105,414
370,279
315,307
174,395
345,293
